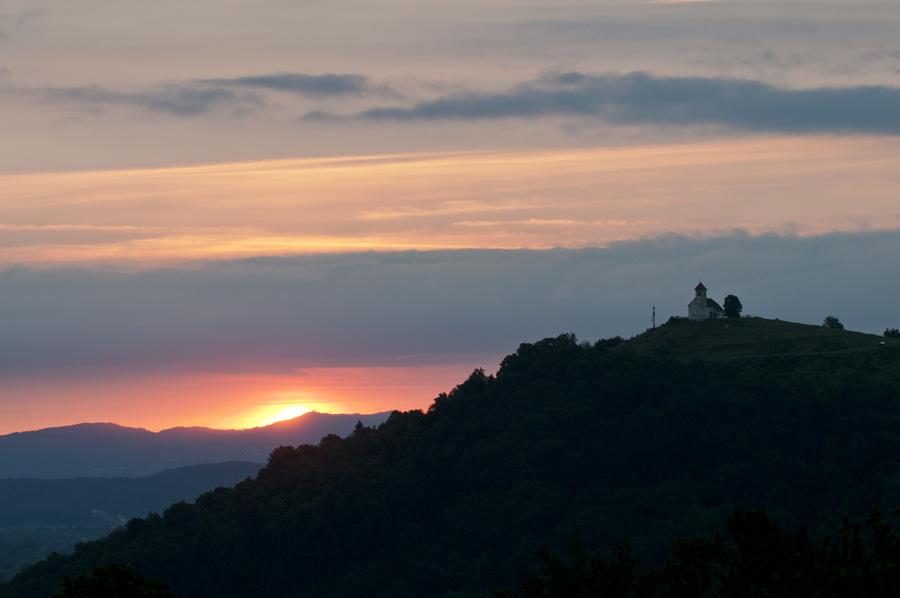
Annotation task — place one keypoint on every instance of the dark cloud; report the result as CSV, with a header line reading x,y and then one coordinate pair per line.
x,y
308,85
205,95
367,308
171,99
321,115
641,98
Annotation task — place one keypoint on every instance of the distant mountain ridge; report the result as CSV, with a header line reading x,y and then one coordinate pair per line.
x,y
109,450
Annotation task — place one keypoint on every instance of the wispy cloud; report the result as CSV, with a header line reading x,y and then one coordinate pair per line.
x,y
642,98
309,85
536,199
451,207
79,227
173,99
203,96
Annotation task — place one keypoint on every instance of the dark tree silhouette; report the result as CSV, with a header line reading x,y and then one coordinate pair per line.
x,y
580,576
753,558
891,333
113,581
833,323
732,306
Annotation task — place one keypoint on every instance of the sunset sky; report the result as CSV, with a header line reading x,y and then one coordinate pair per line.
x,y
212,212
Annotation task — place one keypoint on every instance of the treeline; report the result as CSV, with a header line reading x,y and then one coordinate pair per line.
x,y
568,438
752,558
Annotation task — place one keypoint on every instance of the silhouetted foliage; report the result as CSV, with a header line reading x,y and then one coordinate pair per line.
x,y
833,323
732,306
580,575
609,343
891,333
752,558
113,581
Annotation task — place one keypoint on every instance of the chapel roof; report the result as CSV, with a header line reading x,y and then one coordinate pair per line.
x,y
711,303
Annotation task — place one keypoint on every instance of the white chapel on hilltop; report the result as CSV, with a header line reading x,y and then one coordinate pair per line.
x,y
702,308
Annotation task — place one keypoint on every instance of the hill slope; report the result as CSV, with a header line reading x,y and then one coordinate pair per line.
x,y
77,501
614,440
39,517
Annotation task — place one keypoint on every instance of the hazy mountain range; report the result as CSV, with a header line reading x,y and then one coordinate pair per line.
x,y
100,450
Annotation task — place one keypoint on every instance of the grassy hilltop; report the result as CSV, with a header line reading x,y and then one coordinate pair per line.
x,y
816,358
743,338
653,439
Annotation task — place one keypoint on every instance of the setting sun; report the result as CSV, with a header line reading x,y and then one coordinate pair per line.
x,y
285,414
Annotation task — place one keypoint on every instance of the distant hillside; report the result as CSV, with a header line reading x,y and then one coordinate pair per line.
x,y
38,517
653,439
108,450
79,501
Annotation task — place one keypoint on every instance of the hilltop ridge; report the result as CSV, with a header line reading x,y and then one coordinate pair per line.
x,y
749,337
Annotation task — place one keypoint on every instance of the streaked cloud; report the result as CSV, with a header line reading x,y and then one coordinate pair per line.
x,y
451,200
299,83
172,99
635,98
642,98
204,96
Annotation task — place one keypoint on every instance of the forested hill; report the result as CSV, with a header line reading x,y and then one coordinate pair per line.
x,y
655,438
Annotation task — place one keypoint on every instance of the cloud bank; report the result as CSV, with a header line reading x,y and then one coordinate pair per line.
x,y
636,98
366,309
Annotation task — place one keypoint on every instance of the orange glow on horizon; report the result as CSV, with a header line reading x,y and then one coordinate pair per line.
x,y
490,200
225,401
